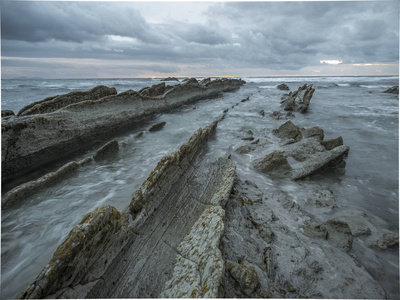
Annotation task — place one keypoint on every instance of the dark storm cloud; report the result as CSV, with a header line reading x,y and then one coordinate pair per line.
x,y
72,21
273,35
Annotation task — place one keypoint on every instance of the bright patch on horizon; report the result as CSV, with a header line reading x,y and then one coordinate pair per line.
x,y
330,62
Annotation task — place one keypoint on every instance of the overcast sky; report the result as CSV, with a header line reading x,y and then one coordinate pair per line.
x,y
144,39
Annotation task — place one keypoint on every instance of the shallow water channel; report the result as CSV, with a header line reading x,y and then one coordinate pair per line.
x,y
33,228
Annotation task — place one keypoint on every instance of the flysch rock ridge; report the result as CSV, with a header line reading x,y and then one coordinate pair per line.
x,y
132,254
31,141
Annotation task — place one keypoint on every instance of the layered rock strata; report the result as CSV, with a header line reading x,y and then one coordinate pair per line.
x,y
173,225
307,150
298,100
24,190
51,104
31,141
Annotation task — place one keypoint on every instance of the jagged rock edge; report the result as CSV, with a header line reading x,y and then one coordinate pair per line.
x,y
52,280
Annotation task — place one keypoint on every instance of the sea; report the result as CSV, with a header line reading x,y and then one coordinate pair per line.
x,y
352,107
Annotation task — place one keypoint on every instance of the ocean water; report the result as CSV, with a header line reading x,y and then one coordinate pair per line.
x,y
352,107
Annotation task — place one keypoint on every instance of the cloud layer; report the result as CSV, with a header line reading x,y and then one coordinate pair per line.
x,y
142,39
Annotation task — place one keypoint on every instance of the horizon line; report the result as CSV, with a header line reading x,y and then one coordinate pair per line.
x,y
201,76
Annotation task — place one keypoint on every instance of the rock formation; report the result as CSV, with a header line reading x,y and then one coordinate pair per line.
x,y
155,90
196,228
30,141
173,225
170,79
298,100
7,113
51,104
108,150
283,87
392,90
309,153
157,127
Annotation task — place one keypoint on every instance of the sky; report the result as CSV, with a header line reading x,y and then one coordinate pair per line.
x,y
86,39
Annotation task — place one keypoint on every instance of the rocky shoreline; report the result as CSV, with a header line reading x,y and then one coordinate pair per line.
x,y
200,228
64,124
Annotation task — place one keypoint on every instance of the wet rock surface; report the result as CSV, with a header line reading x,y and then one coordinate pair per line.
x,y
388,240
108,150
201,228
157,127
283,87
51,104
159,230
170,79
7,113
32,140
392,90
298,100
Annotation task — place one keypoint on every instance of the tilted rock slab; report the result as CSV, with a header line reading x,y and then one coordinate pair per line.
x,y
176,213
309,152
31,141
299,100
51,104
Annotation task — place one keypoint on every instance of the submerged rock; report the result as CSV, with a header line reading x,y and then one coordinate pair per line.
x,y
392,90
157,127
277,115
108,150
388,240
283,87
299,100
26,189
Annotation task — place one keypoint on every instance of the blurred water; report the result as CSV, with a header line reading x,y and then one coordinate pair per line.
x,y
342,106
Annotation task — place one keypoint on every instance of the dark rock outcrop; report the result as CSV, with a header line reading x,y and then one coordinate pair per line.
x,y
277,115
31,141
108,150
205,81
51,104
170,79
332,143
191,80
275,164
309,153
392,90
157,127
288,131
283,87
154,91
298,100
7,113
